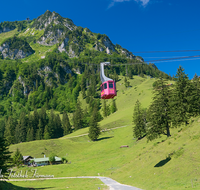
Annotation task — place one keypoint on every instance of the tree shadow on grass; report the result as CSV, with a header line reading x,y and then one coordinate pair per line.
x,y
8,186
31,188
162,162
103,138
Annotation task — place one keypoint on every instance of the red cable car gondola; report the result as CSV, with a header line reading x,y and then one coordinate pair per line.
x,y
108,87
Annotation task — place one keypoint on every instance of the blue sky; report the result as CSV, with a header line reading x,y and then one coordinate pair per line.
x,y
137,25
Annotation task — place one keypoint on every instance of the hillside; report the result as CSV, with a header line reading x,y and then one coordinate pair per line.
x,y
46,64
51,28
165,163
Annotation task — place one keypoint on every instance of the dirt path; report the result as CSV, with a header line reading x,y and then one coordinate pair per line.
x,y
103,130
112,184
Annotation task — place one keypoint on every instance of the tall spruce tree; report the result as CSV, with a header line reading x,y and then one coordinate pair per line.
x,y
51,126
113,107
139,120
5,158
94,130
78,117
58,130
17,158
67,128
105,110
46,133
39,132
159,112
10,130
30,136
195,96
181,99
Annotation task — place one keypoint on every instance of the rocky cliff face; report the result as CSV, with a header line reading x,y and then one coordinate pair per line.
x,y
15,48
55,27
7,52
5,30
69,38
72,39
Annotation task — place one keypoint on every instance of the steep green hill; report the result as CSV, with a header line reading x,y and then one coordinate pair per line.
x,y
165,163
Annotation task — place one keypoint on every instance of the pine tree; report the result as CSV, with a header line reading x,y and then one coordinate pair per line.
x,y
139,130
116,78
58,131
46,133
105,110
83,86
20,130
159,112
5,158
67,128
17,158
108,110
10,130
113,107
47,104
39,130
94,130
35,120
51,126
194,106
181,96
30,135
78,117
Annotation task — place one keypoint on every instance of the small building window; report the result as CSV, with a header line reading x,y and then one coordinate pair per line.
x,y
105,85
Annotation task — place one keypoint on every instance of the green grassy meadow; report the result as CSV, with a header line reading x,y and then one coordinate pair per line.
x,y
143,164
61,184
5,35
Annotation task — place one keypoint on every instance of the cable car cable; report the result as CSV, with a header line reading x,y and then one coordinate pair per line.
x,y
165,51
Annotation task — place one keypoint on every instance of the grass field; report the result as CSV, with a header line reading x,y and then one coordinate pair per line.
x,y
61,184
5,35
146,165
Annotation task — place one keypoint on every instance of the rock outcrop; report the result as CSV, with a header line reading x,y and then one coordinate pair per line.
x,y
7,52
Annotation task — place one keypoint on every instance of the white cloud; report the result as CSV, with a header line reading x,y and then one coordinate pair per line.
x,y
116,1
144,2
113,2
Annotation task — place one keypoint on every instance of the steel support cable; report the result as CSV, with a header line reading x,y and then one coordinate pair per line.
x,y
165,51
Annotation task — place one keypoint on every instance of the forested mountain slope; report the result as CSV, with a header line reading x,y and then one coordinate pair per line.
x,y
45,64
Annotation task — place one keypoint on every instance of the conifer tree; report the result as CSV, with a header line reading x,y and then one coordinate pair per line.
x,y
139,120
181,99
10,130
51,126
195,96
47,104
31,125
159,112
86,117
116,78
20,130
108,110
58,131
39,131
105,109
78,117
83,86
5,158
35,120
94,130
113,107
67,128
46,133
2,128
30,136
17,158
